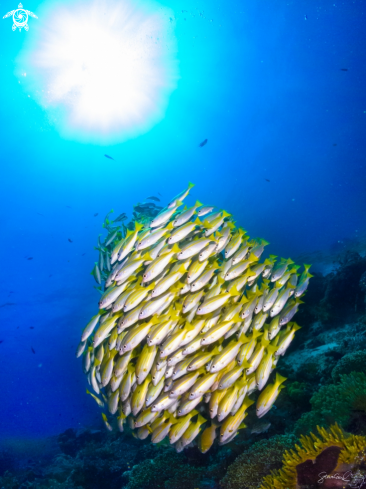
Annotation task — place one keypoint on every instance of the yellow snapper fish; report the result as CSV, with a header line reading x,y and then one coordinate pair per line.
x,y
193,248
165,215
193,430
234,244
105,419
232,423
186,215
181,426
208,437
97,400
268,397
212,226
136,297
153,237
129,241
158,265
287,338
189,324
215,302
227,402
181,196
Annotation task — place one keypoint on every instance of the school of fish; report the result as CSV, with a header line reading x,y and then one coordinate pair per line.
x,y
190,324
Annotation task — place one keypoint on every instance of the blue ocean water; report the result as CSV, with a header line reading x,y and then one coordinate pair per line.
x,y
277,89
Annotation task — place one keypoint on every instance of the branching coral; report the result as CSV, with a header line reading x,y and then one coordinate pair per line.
x,y
322,456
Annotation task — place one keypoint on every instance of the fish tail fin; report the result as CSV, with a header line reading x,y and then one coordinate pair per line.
x,y
138,226
197,222
234,291
175,248
271,349
280,379
190,185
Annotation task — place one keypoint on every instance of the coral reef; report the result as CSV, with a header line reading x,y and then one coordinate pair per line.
x,y
257,462
332,455
351,362
343,403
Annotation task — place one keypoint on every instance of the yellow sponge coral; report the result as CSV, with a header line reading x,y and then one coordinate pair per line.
x,y
332,455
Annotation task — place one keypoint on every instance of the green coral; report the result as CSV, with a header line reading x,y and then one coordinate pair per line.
x,y
258,461
298,392
171,470
154,473
335,403
352,362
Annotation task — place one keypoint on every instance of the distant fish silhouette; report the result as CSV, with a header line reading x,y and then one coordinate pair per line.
x,y
30,258
8,304
109,157
31,327
40,214
204,142
344,69
266,179
33,350
153,198
334,144
1,341
159,194
95,215
83,254
68,239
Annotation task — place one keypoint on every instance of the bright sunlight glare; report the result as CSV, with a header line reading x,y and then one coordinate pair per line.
x,y
103,69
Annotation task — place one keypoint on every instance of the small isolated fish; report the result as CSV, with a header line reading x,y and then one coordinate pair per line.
x,y
204,142
40,214
30,258
8,304
33,350
109,157
95,215
344,69
70,241
1,341
31,327
153,198
266,179
260,427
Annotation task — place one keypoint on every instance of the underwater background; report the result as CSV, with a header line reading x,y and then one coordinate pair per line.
x,y
278,90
